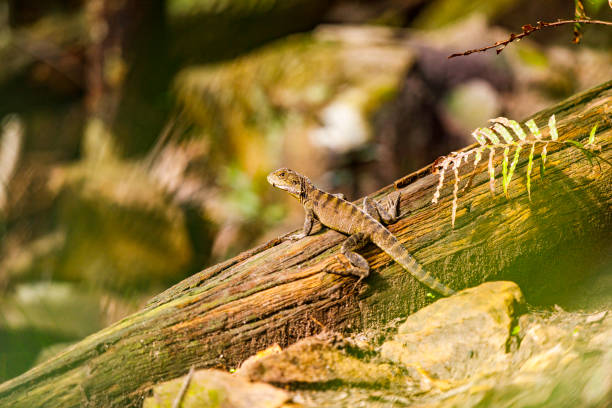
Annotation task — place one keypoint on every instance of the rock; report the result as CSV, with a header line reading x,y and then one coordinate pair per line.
x,y
215,388
122,229
563,361
460,336
314,360
542,345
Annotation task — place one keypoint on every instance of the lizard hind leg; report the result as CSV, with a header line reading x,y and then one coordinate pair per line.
x,y
359,266
387,212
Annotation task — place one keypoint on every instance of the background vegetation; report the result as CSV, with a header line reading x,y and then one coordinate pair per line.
x,y
136,136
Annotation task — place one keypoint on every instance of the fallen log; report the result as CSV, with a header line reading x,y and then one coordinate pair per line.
x,y
278,293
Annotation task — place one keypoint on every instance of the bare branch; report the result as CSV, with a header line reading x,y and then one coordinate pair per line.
x,y
528,29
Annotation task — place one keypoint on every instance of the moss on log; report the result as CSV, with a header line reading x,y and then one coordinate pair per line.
x,y
278,292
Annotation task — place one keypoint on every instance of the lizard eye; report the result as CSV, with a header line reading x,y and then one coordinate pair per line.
x,y
282,174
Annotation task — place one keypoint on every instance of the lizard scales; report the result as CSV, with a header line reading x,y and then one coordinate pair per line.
x,y
362,226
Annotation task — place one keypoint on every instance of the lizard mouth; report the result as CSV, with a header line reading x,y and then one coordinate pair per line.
x,y
282,187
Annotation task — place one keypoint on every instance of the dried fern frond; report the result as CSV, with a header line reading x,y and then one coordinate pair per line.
x,y
506,134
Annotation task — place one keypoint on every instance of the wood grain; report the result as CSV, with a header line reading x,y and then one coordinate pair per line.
x,y
276,293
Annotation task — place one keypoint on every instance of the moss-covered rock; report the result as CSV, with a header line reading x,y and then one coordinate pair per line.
x,y
214,388
460,336
121,228
316,360
469,350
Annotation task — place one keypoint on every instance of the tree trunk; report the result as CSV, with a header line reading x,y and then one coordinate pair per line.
x,y
127,72
278,293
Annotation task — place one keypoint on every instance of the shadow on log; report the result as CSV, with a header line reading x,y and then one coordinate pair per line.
x,y
277,293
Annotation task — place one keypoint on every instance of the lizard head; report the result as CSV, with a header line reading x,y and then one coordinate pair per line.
x,y
290,181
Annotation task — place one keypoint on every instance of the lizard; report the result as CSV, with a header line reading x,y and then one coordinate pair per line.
x,y
362,225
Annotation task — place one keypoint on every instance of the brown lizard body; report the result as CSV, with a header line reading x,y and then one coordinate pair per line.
x,y
361,224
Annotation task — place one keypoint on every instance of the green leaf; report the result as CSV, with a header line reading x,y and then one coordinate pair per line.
x,y
517,129
535,130
505,180
490,135
602,159
476,134
529,168
552,128
587,153
477,157
592,135
503,132
575,143
515,160
512,124
491,170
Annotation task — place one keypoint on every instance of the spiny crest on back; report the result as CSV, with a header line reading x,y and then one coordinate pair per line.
x,y
290,181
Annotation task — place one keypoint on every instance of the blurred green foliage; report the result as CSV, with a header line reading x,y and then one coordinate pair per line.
x,y
105,210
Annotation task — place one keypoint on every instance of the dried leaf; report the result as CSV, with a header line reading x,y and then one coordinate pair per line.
x,y
455,190
440,180
578,15
552,128
597,317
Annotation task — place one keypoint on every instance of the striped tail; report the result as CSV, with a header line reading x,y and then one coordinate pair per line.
x,y
391,245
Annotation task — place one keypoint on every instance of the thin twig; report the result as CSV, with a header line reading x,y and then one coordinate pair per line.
x,y
181,394
528,29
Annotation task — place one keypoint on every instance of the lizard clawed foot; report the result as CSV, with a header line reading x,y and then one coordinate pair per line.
x,y
295,237
346,273
351,270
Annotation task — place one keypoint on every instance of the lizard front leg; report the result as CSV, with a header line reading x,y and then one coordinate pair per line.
x,y
386,213
359,266
308,222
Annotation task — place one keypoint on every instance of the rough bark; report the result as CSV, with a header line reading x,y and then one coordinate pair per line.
x,y
279,292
